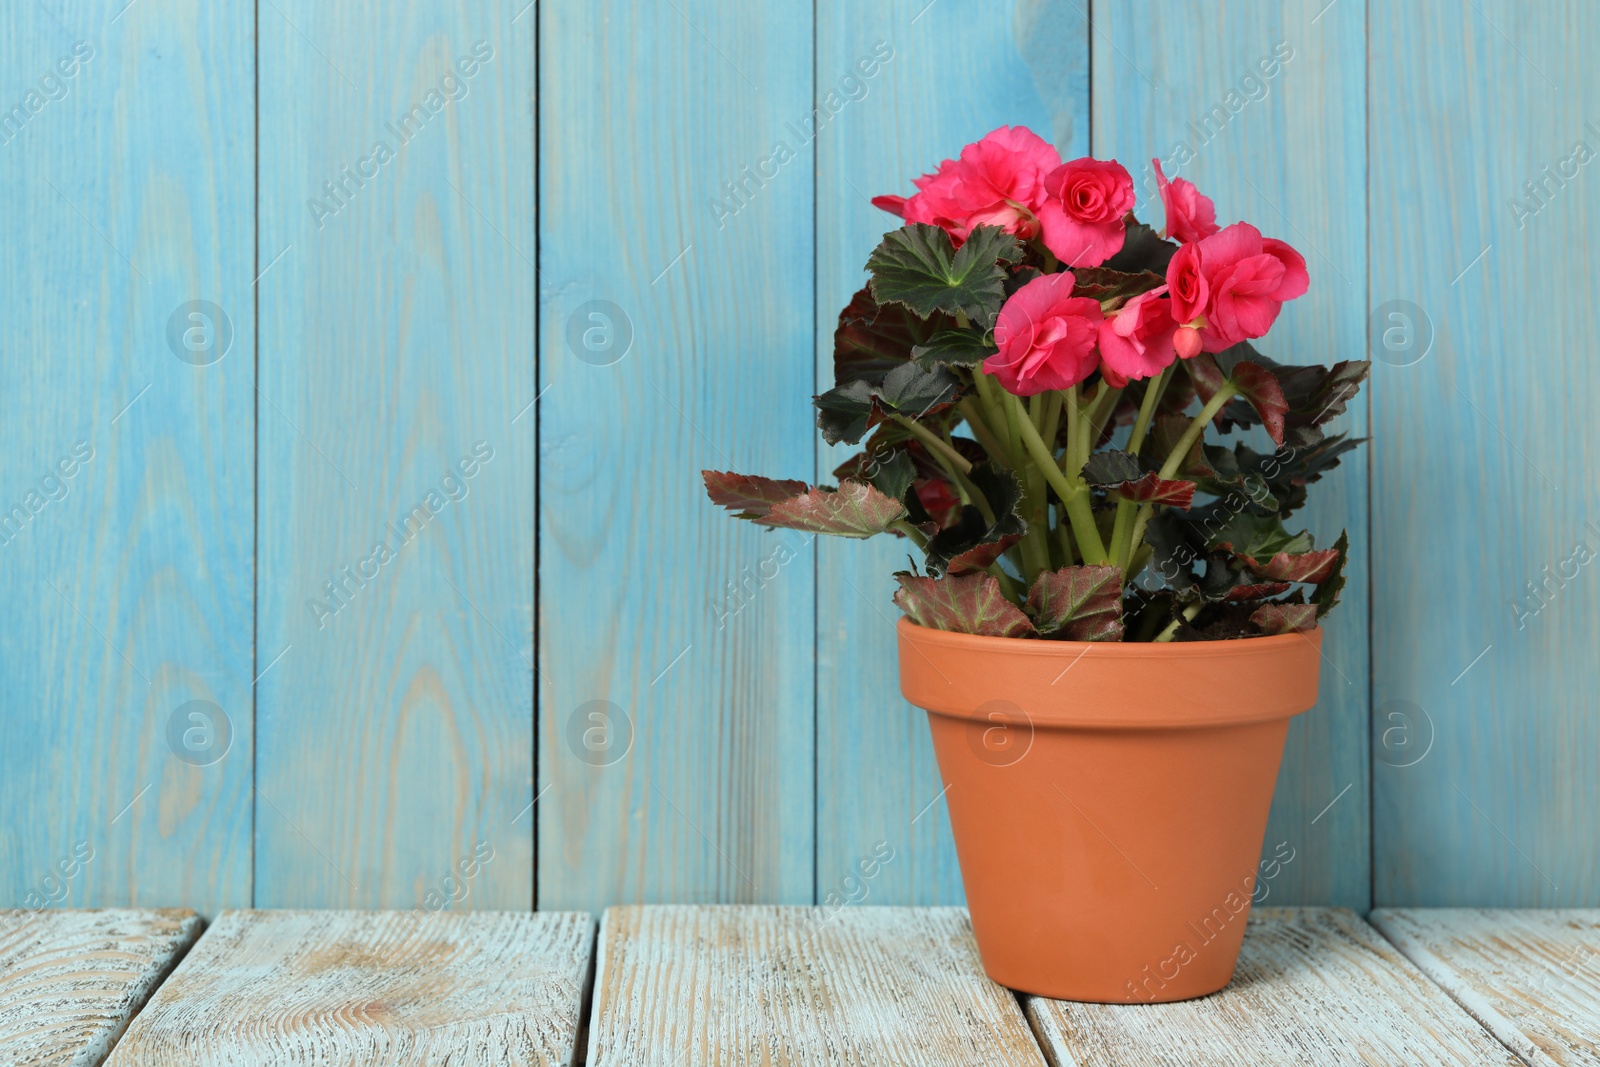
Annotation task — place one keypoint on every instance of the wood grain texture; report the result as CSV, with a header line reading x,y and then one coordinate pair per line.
x,y
1286,153
675,730
1026,63
1314,987
70,981
1532,977
396,476
333,988
126,153
1487,509
789,986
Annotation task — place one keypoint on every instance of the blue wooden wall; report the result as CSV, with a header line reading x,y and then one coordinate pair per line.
x,y
357,363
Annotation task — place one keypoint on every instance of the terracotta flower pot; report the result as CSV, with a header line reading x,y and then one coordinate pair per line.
x,y
1108,800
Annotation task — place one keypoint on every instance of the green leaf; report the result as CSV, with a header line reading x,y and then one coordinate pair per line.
x,y
955,348
893,476
872,339
1308,397
1291,468
1315,395
1107,285
1174,548
1165,433
1285,618
1003,491
1112,467
1256,536
1142,249
855,509
920,267
751,495
1311,567
915,391
845,412
1120,474
1328,590
969,604
1078,603
1000,486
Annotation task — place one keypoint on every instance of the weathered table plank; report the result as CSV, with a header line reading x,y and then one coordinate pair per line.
x,y
1531,976
389,987
71,980
1314,986
774,986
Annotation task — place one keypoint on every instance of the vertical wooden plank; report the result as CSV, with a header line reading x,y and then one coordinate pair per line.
x,y
396,253
940,79
1484,218
1260,104
127,154
675,647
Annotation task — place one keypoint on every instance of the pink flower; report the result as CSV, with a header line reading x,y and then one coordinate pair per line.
x,y
1190,215
1232,284
1083,220
998,181
1046,337
1187,285
1137,342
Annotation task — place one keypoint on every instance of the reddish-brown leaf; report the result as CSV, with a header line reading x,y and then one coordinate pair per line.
x,y
855,509
1313,567
1078,603
1153,489
749,494
969,604
1258,385
979,559
1285,618
1258,591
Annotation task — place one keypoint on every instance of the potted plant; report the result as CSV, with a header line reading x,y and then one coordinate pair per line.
x,y
1111,626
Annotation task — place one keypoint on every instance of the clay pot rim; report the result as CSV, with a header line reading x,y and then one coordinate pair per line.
x,y
1266,644
1120,686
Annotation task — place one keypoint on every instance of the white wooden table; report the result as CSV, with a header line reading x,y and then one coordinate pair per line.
x,y
675,986
71,980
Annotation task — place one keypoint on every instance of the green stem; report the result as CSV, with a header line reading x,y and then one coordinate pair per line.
x,y
1188,616
1035,542
1147,410
980,429
997,414
1104,407
1196,428
1071,465
1007,587
1062,530
954,464
1122,528
1052,417
910,531
1074,494
1179,451
935,443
